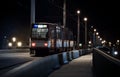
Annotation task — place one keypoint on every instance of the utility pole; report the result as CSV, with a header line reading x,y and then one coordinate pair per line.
x,y
32,18
78,33
85,19
64,21
32,12
94,38
64,14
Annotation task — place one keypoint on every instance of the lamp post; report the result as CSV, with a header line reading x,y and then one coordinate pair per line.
x,y
117,44
78,33
118,41
64,14
14,41
85,19
94,38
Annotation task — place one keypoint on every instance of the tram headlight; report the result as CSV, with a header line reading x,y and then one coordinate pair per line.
x,y
45,44
33,44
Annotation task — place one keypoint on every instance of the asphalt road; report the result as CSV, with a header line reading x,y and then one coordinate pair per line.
x,y
12,58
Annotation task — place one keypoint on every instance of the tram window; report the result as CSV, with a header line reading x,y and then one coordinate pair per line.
x,y
58,33
39,32
52,34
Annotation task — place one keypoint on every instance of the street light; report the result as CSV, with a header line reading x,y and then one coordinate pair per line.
x,y
94,30
85,19
97,33
14,39
103,42
10,44
78,33
117,44
118,41
97,40
89,43
94,38
14,42
110,44
100,39
19,44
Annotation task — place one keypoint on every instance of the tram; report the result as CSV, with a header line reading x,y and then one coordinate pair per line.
x,y
49,38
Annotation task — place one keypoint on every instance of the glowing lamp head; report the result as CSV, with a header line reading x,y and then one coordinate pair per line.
x,y
14,39
10,44
85,19
94,30
78,11
19,44
115,53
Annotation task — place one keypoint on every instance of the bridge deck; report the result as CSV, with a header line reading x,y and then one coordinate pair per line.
x,y
80,67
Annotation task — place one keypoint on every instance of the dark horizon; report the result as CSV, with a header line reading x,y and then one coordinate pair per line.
x,y
15,16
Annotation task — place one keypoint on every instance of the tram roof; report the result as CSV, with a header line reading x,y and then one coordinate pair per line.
x,y
46,23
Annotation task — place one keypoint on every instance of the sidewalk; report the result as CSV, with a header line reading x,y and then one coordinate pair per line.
x,y
80,67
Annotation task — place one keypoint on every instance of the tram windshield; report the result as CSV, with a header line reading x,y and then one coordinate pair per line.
x,y
40,31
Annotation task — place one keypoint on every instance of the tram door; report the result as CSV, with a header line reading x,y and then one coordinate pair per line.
x,y
53,38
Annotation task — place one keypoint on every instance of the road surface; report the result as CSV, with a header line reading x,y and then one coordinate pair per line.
x,y
12,58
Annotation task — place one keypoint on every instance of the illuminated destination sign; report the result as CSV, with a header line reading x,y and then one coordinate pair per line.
x,y
40,26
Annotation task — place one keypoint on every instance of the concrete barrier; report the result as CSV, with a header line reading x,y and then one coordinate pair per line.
x,y
55,61
83,52
42,67
80,52
35,68
75,54
69,56
63,58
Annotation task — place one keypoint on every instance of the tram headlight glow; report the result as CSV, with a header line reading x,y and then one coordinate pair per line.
x,y
45,44
33,44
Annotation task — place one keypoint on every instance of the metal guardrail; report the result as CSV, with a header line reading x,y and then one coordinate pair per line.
x,y
110,58
105,65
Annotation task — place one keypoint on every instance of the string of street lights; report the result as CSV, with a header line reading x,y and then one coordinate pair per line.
x,y
14,43
103,42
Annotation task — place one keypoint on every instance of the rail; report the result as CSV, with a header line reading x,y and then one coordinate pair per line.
x,y
105,65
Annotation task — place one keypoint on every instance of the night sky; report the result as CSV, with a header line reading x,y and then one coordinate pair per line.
x,y
103,15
